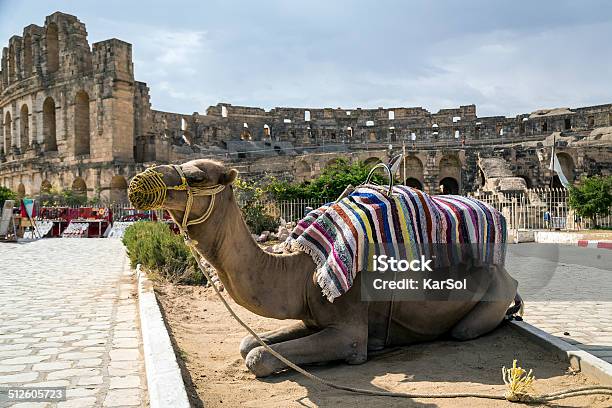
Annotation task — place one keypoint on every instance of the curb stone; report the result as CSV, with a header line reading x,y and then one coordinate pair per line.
x,y
580,360
595,244
165,383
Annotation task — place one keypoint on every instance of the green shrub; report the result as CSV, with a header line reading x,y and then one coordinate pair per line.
x,y
329,184
157,248
6,194
257,217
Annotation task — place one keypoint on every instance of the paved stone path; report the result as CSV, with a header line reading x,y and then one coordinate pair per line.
x,y
567,292
68,317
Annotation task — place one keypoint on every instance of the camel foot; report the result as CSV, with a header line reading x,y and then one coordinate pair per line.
x,y
261,363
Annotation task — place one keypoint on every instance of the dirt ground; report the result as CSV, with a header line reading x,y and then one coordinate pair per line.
x,y
207,338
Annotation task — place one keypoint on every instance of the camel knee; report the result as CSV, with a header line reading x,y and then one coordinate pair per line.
x,y
261,363
247,344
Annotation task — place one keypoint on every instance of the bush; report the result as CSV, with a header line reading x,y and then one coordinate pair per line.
x,y
329,185
257,217
157,248
6,194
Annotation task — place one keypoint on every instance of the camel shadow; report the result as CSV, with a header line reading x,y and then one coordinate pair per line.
x,y
434,367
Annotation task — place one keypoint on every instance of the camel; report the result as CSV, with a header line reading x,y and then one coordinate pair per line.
x,y
281,286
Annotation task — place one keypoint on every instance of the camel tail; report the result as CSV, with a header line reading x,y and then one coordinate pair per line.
x,y
519,306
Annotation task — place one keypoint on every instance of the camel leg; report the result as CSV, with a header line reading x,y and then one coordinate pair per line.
x,y
294,331
328,344
487,315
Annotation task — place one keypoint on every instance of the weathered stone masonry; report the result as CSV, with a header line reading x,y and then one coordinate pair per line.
x,y
74,117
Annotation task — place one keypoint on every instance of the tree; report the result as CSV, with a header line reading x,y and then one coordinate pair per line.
x,y
329,185
592,197
6,194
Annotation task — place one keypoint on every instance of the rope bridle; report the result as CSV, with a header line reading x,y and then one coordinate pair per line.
x,y
149,191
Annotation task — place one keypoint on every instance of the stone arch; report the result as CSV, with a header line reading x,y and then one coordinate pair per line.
x,y
81,124
414,169
449,185
49,125
528,181
79,186
567,166
21,191
52,45
8,139
450,167
24,126
118,189
482,179
414,183
27,55
45,186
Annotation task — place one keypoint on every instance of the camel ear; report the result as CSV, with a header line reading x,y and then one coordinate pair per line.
x,y
228,177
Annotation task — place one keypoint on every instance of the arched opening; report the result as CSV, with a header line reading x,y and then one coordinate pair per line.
x,y
567,166
79,187
52,45
528,181
414,183
8,124
118,189
21,192
414,170
24,127
27,55
49,137
450,167
372,136
81,124
45,187
449,185
481,178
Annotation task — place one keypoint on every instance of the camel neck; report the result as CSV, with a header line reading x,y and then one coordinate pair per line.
x,y
264,283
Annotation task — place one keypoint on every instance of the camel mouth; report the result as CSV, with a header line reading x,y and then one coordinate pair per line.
x,y
147,190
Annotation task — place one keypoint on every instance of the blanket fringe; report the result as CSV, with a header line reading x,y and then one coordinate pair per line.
x,y
327,287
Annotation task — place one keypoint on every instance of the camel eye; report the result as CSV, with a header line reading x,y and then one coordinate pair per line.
x,y
195,175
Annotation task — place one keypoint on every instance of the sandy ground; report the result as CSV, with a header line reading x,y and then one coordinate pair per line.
x,y
207,338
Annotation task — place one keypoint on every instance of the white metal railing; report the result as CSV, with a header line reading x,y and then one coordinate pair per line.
x,y
539,208
290,210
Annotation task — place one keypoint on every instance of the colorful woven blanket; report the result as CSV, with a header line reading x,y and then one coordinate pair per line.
x,y
409,223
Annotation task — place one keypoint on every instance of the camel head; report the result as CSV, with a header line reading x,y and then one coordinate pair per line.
x,y
206,183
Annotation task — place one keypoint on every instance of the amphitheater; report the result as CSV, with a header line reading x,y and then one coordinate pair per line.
x,y
73,117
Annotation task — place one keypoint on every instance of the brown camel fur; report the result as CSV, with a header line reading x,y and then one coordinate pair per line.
x,y
282,287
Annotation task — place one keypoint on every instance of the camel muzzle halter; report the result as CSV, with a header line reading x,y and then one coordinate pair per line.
x,y
148,191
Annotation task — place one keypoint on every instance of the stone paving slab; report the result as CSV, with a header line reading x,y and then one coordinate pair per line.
x,y
70,318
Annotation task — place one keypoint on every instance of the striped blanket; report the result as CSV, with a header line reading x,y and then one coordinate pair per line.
x,y
339,235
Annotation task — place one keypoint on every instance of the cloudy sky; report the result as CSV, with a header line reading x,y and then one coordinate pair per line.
x,y
507,57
